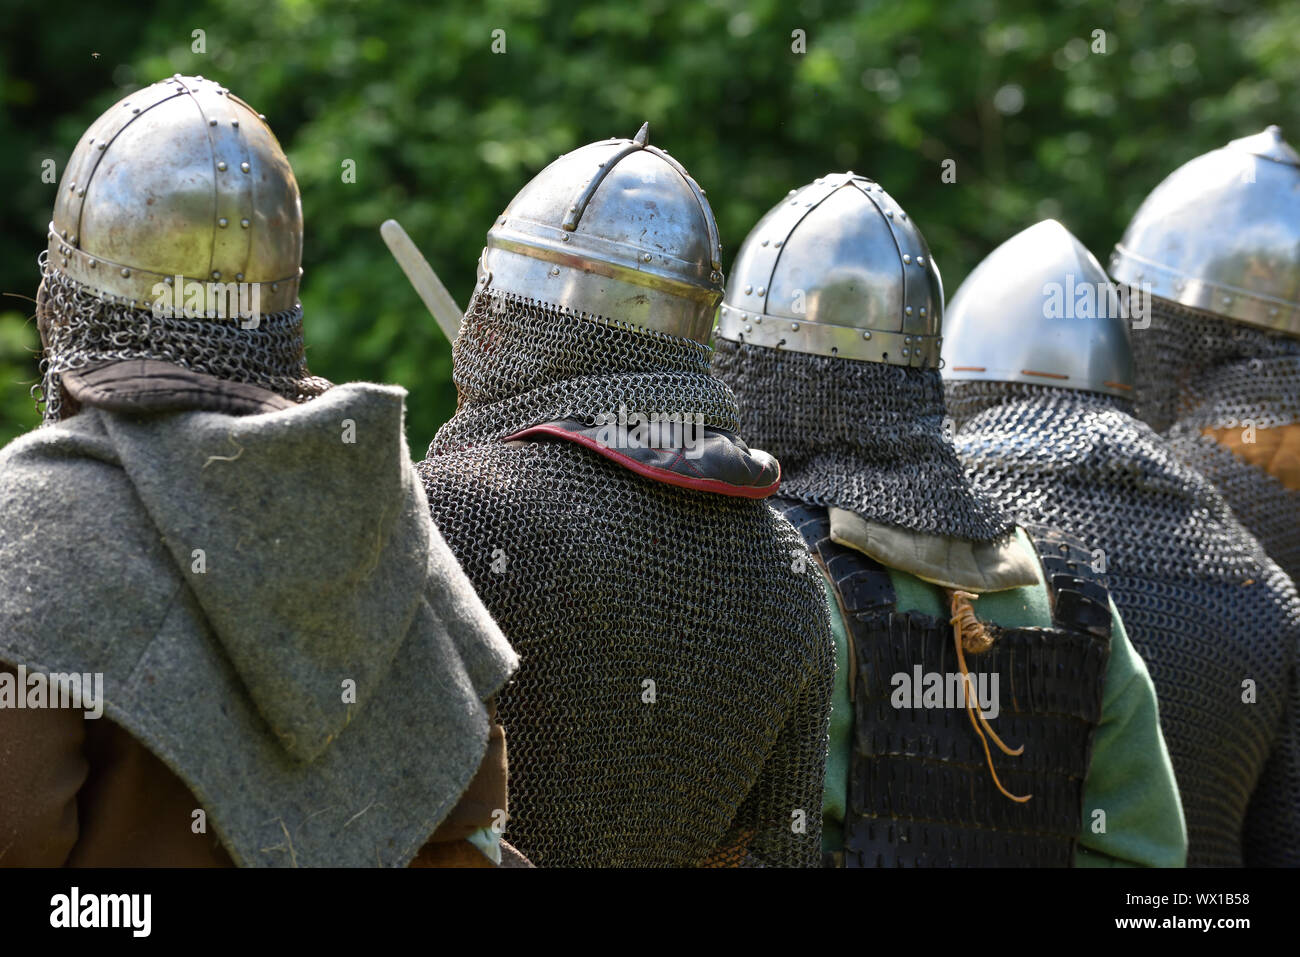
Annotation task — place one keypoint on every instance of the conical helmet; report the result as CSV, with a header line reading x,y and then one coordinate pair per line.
x,y
1222,234
1039,309
181,178
616,230
837,268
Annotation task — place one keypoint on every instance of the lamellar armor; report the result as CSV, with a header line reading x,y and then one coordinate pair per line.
x,y
1047,427
830,334
640,585
176,236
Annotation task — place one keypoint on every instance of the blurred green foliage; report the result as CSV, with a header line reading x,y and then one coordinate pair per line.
x,y
443,131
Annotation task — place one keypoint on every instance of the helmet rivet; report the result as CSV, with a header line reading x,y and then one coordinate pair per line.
x,y
765,242
758,320
72,186
275,287
905,352
794,327
101,145
216,274
239,277
223,222
73,240
244,167
235,123
244,223
748,290
902,215
866,335
749,328
555,270
778,243
221,166
889,213
818,181
197,77
564,237
920,260
923,310
791,193
501,221
126,272
82,191
212,122
761,290
135,110
262,117
169,280
93,264
64,234
1273,311
907,259
65,260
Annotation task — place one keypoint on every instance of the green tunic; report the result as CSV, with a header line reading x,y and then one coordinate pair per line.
x,y
1130,777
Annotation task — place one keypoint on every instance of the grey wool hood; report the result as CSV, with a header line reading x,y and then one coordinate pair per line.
x,y
234,578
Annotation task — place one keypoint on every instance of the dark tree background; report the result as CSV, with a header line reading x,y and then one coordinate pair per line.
x,y
1042,114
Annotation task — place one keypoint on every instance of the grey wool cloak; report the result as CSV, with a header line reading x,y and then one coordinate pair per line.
x,y
234,578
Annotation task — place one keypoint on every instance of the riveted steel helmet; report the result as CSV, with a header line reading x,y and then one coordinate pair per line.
x,y
181,178
616,230
837,268
1039,309
1222,234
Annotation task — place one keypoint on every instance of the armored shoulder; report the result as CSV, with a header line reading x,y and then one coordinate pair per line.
x,y
1077,593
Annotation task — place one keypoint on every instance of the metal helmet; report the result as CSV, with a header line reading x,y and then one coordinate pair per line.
x,y
616,230
1040,309
1222,234
181,178
837,268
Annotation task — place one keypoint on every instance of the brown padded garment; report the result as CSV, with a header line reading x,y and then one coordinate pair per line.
x,y
84,793
1275,450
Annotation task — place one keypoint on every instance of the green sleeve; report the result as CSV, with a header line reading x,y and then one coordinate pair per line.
x,y
836,793
1131,778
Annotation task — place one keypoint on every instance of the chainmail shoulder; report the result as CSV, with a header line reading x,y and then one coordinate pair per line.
x,y
81,328
1202,603
863,436
672,702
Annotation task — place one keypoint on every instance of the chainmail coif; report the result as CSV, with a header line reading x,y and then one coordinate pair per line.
x,y
80,329
1198,371
863,436
672,701
1202,603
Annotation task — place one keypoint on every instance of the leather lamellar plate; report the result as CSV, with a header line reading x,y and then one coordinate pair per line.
x,y
920,792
